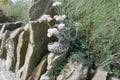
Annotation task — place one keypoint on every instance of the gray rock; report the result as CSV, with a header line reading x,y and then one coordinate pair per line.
x,y
53,59
37,47
22,48
4,18
45,77
58,47
100,75
10,26
39,70
26,27
74,71
3,40
114,78
11,46
11,19
38,8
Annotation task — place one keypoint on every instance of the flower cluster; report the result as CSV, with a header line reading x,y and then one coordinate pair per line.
x,y
58,27
58,30
52,31
55,31
48,18
59,17
45,18
61,26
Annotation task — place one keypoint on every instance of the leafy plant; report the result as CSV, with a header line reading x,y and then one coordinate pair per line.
x,y
100,29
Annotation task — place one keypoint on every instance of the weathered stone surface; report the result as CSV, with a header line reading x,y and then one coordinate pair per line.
x,y
11,49
26,27
53,59
58,51
11,19
3,41
38,8
22,48
100,75
74,71
10,26
37,47
19,72
45,77
4,18
39,70
58,47
113,78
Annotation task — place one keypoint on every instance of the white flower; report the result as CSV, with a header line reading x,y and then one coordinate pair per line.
x,y
59,17
49,30
52,31
55,31
56,4
49,34
45,18
61,26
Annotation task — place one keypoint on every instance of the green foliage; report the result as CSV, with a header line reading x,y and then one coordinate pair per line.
x,y
99,28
